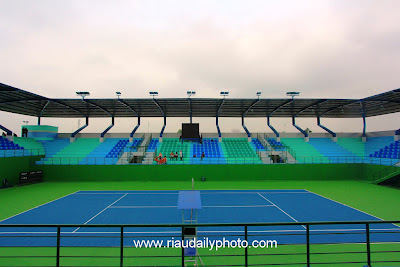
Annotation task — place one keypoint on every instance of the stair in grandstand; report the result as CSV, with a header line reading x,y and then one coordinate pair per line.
x,y
304,151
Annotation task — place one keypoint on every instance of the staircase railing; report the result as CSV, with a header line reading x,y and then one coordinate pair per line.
x,y
382,174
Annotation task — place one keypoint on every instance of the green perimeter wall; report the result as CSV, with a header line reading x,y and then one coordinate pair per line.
x,y
11,167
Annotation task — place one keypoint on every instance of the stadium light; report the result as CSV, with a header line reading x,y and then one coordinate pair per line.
x,y
293,94
190,93
83,94
153,94
118,94
26,122
258,95
224,94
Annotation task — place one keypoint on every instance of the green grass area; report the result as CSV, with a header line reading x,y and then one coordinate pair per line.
x,y
380,201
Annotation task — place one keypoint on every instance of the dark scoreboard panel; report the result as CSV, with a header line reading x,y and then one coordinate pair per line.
x,y
30,177
190,130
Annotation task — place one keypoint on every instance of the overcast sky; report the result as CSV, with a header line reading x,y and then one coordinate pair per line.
x,y
324,49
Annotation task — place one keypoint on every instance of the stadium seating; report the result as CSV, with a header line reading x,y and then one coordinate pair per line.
x,y
6,144
212,151
334,152
35,147
354,145
239,151
175,145
278,146
154,143
304,152
256,144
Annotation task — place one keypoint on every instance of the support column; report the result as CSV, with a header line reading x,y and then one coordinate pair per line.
x,y
8,132
364,135
334,138
72,138
246,130
134,130
278,137
162,130
106,130
306,138
219,131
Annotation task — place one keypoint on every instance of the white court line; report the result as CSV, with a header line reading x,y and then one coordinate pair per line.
x,y
265,192
280,209
38,206
141,207
100,212
157,207
127,193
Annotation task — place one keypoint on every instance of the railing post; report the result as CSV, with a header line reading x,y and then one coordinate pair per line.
x,y
183,249
246,262
368,246
308,245
121,259
58,246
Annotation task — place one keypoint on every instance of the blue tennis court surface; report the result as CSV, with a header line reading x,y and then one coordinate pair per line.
x,y
217,206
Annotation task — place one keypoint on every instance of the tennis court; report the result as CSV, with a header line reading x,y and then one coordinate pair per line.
x,y
217,207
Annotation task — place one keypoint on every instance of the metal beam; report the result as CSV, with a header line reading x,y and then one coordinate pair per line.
x,y
108,128
41,111
281,105
129,106
97,106
165,118
9,132
244,114
298,128
216,122
325,128
137,127
80,129
190,109
364,120
336,107
68,106
272,128
309,106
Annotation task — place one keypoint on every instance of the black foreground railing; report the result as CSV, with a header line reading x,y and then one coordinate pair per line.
x,y
304,252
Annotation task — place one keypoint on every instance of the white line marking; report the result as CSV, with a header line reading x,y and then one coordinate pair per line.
x,y
38,206
101,212
127,193
280,209
141,207
158,207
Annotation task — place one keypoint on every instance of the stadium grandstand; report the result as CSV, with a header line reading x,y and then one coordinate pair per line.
x,y
86,199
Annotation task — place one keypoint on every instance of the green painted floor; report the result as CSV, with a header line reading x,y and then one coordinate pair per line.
x,y
379,201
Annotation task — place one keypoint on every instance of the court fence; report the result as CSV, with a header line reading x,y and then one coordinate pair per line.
x,y
350,243
222,160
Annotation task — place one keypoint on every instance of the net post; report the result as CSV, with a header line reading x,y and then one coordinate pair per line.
x,y
58,246
368,245
308,245
121,259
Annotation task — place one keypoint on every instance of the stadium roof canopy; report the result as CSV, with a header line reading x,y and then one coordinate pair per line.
x,y
18,101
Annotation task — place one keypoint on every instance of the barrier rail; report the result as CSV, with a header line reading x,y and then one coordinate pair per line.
x,y
388,171
224,160
356,243
21,152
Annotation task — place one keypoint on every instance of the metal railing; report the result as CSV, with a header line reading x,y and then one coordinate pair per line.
x,y
223,160
388,171
377,242
21,152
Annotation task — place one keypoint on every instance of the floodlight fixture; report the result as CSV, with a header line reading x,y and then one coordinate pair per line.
x,y
190,93
26,122
258,94
293,94
224,94
153,94
83,94
118,94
